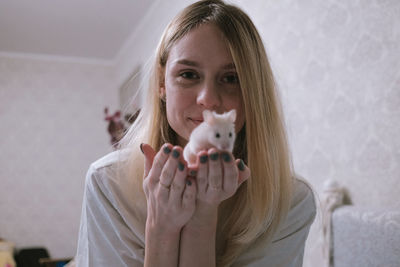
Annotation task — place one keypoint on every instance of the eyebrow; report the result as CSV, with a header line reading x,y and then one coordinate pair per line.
x,y
195,64
229,66
187,62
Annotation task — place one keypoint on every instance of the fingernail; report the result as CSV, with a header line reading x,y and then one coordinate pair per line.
x,y
225,156
175,153
241,165
167,150
214,156
188,182
193,173
203,159
141,149
181,166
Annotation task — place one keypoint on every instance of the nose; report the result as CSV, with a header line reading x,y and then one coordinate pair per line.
x,y
209,97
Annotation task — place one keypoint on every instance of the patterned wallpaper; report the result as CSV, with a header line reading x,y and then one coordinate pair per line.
x,y
52,128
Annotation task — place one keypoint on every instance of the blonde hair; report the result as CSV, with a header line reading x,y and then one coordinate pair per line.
x,y
263,201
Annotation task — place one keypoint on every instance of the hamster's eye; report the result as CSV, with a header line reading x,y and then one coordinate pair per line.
x,y
230,134
217,135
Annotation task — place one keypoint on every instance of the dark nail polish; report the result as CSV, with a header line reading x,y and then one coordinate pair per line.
x,y
181,166
188,182
193,173
226,157
141,149
167,150
241,165
175,153
214,156
203,159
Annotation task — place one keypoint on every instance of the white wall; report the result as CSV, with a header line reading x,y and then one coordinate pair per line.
x,y
52,128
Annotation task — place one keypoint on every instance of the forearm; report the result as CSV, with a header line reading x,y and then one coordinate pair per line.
x,y
162,248
197,245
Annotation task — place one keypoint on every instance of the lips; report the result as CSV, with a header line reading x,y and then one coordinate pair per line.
x,y
196,121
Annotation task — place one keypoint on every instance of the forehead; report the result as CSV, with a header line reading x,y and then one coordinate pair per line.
x,y
205,43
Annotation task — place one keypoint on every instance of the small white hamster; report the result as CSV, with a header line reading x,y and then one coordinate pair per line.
x,y
217,130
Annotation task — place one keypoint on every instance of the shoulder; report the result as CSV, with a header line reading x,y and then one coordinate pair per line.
x,y
110,180
110,210
302,210
110,160
106,171
109,164
286,247
303,195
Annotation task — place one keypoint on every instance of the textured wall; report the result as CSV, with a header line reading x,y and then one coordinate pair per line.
x,y
52,128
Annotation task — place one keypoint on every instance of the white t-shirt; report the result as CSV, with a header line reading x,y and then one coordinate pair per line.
x,y
113,223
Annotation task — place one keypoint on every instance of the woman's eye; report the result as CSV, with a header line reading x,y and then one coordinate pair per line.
x,y
189,75
231,78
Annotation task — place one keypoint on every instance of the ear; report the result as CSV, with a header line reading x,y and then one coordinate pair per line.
x,y
161,83
232,115
162,94
208,117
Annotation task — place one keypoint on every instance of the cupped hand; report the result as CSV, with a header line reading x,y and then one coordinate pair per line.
x,y
218,175
170,194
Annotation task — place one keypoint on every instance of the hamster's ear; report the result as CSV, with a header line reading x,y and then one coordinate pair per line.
x,y
232,115
208,117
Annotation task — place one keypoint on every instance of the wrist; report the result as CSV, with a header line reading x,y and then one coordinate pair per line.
x,y
161,246
206,209
163,231
205,216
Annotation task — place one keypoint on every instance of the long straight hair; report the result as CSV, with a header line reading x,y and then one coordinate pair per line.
x,y
263,201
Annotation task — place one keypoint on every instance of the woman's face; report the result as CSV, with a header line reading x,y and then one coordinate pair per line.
x,y
200,74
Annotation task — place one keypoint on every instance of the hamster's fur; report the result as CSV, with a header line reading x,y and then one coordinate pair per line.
x,y
217,130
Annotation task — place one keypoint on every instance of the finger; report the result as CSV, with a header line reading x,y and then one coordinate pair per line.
x,y
158,163
230,172
244,171
214,170
202,172
192,171
170,167
189,195
192,167
149,155
178,185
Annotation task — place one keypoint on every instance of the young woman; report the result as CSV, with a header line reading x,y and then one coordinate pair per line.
x,y
144,206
